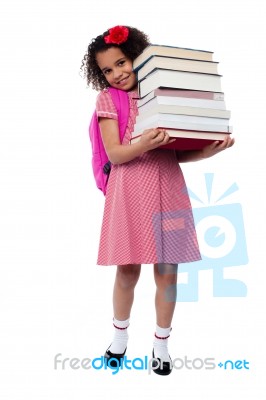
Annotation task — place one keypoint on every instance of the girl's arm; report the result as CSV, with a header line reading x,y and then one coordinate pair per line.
x,y
118,154
206,152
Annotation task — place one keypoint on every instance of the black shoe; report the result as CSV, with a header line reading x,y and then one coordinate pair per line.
x,y
118,357
161,368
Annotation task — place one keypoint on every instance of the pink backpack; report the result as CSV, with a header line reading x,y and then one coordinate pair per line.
x,y
101,166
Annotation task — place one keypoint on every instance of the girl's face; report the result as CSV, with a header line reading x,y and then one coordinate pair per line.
x,y
117,68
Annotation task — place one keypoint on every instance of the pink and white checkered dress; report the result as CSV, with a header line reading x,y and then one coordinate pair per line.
x,y
147,216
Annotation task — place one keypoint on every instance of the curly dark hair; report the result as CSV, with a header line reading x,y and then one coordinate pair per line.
x,y
132,47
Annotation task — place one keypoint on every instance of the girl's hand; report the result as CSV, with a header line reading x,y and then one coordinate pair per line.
x,y
216,147
153,138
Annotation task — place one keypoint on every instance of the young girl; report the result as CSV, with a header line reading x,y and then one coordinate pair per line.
x,y
147,215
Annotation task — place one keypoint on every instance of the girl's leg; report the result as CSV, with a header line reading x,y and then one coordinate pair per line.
x,y
123,295
165,276
126,279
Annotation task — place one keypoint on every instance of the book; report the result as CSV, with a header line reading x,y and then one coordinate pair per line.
x,y
217,97
180,64
187,122
179,80
189,134
189,107
189,140
181,101
170,51
180,91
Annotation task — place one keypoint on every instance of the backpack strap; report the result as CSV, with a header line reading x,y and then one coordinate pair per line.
x,y
100,164
121,102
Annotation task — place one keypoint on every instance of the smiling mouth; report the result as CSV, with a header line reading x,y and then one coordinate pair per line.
x,y
122,81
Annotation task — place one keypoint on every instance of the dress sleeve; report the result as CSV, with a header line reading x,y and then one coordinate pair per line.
x,y
105,106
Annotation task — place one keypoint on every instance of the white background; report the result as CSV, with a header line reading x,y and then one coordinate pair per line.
x,y
54,299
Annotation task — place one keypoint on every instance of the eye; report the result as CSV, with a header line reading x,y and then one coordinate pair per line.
x,y
122,62
106,71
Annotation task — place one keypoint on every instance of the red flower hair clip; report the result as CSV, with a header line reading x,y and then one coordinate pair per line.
x,y
117,35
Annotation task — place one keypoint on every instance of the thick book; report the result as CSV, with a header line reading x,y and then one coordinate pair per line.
x,y
180,64
170,51
189,107
187,122
191,94
179,80
189,140
181,101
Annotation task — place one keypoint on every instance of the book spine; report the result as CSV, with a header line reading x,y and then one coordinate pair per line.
x,y
180,80
183,94
171,51
186,111
176,64
139,128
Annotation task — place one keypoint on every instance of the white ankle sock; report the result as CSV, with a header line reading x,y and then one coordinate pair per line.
x,y
160,343
120,339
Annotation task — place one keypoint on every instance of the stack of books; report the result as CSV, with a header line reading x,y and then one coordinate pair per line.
x,y
180,91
